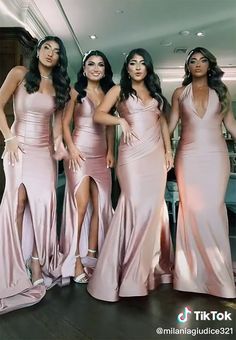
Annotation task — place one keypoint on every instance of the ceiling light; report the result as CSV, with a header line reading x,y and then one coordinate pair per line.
x,y
93,36
200,34
180,50
119,11
184,32
166,43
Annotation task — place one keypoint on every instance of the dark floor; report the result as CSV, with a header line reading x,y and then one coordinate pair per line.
x,y
70,313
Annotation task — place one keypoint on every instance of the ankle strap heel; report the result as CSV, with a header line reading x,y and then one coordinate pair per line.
x,y
93,251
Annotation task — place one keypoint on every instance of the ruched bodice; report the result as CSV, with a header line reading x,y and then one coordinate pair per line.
x,y
87,135
142,117
144,121
136,255
201,134
33,117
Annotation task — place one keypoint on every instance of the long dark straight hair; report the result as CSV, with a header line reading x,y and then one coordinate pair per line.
x,y
60,78
151,81
214,76
106,82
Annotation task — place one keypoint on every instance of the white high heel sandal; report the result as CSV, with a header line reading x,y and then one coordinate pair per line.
x,y
39,281
81,278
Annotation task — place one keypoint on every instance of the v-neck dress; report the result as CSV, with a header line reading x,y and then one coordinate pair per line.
x,y
203,259
36,171
137,253
90,138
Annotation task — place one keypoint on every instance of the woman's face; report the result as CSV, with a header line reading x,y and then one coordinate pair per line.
x,y
198,65
136,68
49,53
94,68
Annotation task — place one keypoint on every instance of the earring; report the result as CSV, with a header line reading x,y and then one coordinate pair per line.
x,y
84,74
37,55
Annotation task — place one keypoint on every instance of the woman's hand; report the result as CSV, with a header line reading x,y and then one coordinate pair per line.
x,y
75,159
11,147
128,134
110,159
60,151
169,160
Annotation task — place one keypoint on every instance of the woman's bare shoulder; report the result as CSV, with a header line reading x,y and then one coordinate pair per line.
x,y
115,89
178,91
17,74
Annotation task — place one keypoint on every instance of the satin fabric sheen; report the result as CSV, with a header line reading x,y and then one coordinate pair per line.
x,y
203,260
90,139
137,252
37,172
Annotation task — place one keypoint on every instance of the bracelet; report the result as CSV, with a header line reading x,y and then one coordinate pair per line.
x,y
168,151
8,139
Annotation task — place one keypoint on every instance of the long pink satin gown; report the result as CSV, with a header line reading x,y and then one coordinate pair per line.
x,y
90,138
203,259
37,172
137,252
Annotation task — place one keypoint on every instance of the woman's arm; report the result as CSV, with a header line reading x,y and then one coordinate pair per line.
x,y
174,115
167,143
110,135
60,151
13,79
102,114
230,122
75,156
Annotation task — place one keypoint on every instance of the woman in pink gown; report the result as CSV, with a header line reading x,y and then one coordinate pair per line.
x,y
87,204
203,259
28,240
137,252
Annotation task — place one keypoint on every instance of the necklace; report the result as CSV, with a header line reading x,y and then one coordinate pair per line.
x,y
45,77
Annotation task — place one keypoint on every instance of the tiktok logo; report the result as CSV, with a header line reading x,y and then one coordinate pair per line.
x,y
183,317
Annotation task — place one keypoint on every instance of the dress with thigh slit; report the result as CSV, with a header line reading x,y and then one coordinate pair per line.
x,y
137,252
90,138
36,171
203,259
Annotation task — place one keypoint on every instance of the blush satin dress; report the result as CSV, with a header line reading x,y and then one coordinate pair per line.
x,y
36,170
137,252
203,260
90,138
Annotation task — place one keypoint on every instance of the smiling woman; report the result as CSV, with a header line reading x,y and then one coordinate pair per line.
x,y
87,205
30,260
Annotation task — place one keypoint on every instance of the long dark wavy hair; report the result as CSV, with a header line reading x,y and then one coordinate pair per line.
x,y
151,80
214,76
60,78
106,82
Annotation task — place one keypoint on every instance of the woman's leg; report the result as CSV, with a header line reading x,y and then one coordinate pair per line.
x,y
36,272
21,204
82,199
93,231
